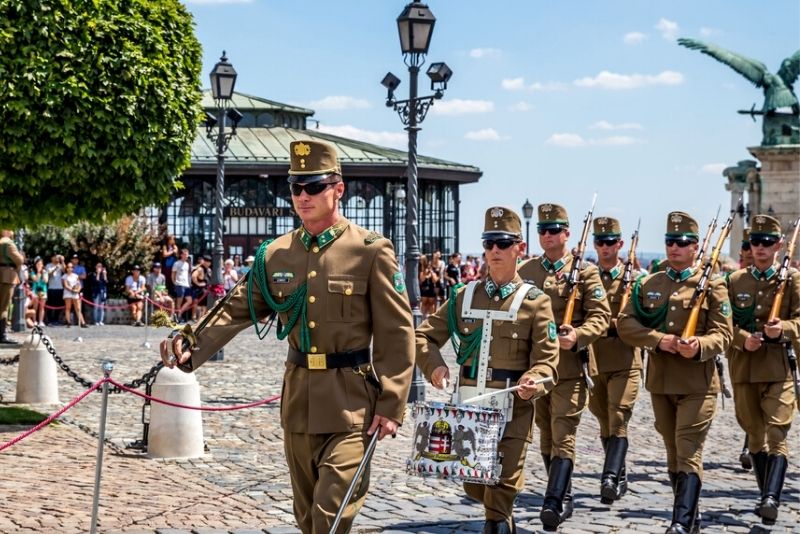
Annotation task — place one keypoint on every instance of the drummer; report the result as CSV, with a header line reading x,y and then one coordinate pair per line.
x,y
520,352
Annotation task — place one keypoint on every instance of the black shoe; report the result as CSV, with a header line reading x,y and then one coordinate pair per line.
x,y
556,507
9,342
498,527
685,507
610,489
776,473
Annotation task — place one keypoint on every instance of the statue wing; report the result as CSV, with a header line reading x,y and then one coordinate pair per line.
x,y
753,70
790,69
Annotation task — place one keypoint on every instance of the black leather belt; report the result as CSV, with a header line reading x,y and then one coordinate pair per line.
x,y
494,375
7,265
331,360
612,332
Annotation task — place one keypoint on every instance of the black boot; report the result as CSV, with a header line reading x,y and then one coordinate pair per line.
x,y
745,458
673,479
611,480
773,484
4,340
684,510
498,527
554,512
760,469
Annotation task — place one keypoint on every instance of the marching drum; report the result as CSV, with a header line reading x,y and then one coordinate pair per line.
x,y
456,442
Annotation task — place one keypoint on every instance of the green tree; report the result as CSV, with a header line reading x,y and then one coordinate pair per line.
x,y
99,103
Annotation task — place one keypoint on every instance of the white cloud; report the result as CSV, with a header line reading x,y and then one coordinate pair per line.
x,y
708,32
521,106
339,103
668,28
484,53
458,106
571,140
615,81
392,139
714,168
634,38
513,84
605,125
487,134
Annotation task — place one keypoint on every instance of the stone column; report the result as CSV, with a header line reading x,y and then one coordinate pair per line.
x,y
738,186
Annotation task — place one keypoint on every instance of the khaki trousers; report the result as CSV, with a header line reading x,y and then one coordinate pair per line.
x,y
612,400
6,294
683,422
557,416
764,410
321,467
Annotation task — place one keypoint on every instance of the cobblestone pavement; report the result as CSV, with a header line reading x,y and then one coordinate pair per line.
x,y
241,484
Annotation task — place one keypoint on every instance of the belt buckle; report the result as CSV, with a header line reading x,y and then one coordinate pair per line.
x,y
316,361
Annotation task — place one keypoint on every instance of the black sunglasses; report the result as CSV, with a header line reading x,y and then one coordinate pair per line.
x,y
502,244
765,242
682,242
606,242
312,189
551,231
746,245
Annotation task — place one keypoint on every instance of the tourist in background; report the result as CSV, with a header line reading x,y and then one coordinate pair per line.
x,y
98,286
72,295
38,280
135,291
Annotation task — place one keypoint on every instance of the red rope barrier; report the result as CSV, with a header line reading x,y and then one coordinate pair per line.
x,y
201,408
50,419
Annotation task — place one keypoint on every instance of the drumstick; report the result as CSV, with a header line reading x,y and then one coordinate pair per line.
x,y
506,390
361,466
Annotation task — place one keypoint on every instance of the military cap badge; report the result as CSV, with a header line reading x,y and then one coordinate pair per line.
x,y
302,149
496,212
760,219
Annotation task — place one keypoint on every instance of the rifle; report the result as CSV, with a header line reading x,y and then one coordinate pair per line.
x,y
726,393
699,295
572,289
701,253
627,276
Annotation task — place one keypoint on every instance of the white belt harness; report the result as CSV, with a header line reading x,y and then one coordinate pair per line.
x,y
488,317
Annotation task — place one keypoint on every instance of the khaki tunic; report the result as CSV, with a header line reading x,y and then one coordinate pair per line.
x,y
523,345
616,367
558,414
762,380
356,296
683,392
10,262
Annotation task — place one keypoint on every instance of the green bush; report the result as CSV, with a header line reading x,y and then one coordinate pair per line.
x,y
99,103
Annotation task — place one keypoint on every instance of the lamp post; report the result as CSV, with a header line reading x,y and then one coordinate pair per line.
x,y
223,79
527,213
18,320
415,27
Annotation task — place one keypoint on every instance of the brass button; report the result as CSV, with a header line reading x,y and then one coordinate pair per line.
x,y
312,274
348,291
514,335
496,298
313,350
466,330
312,299
671,323
312,324
280,293
672,308
758,307
315,249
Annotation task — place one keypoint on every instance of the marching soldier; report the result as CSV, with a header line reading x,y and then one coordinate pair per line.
x,y
558,414
336,287
745,261
520,351
10,262
618,367
762,382
681,374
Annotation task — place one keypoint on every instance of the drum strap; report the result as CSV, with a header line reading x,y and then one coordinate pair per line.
x,y
488,317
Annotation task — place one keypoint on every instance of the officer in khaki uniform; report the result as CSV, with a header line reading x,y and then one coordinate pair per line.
x,y
10,263
558,414
762,381
337,288
616,369
681,375
521,351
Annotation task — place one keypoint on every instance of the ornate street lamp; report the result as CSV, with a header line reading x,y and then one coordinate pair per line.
x,y
527,213
415,26
223,80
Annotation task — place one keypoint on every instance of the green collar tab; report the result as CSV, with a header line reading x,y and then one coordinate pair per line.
x,y
765,275
554,267
613,273
681,276
324,239
504,290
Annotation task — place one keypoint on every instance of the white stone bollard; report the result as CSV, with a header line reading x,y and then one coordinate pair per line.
x,y
175,432
37,378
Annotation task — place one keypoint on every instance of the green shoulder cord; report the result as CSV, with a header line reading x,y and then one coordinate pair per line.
x,y
465,345
295,304
654,319
745,317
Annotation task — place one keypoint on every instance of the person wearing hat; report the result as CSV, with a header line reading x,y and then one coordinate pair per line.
x,y
337,289
10,262
135,287
762,381
156,283
681,374
558,414
520,352
746,251
617,367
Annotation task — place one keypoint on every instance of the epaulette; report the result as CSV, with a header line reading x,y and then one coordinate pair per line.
x,y
534,293
372,237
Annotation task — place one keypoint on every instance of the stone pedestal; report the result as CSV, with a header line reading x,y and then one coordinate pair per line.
x,y
37,376
175,432
780,182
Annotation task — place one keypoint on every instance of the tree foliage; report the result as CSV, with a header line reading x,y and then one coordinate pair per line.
x,y
99,104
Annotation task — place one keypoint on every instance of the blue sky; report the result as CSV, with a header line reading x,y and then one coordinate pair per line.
x,y
552,100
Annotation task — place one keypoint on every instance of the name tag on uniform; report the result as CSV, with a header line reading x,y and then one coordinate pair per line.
x,y
653,295
742,297
468,320
282,278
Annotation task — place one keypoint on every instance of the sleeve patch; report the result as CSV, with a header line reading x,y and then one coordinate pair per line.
x,y
399,282
551,331
725,309
534,293
599,294
371,238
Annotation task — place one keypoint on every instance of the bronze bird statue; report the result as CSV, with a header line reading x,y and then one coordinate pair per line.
x,y
778,88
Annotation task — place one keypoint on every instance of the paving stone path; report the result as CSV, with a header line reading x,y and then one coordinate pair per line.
x,y
241,485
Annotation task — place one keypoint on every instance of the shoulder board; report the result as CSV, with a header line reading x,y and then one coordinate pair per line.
x,y
534,293
372,237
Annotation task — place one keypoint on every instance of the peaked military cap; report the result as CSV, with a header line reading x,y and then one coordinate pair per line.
x,y
606,227
746,236
312,161
501,223
765,225
552,216
681,224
